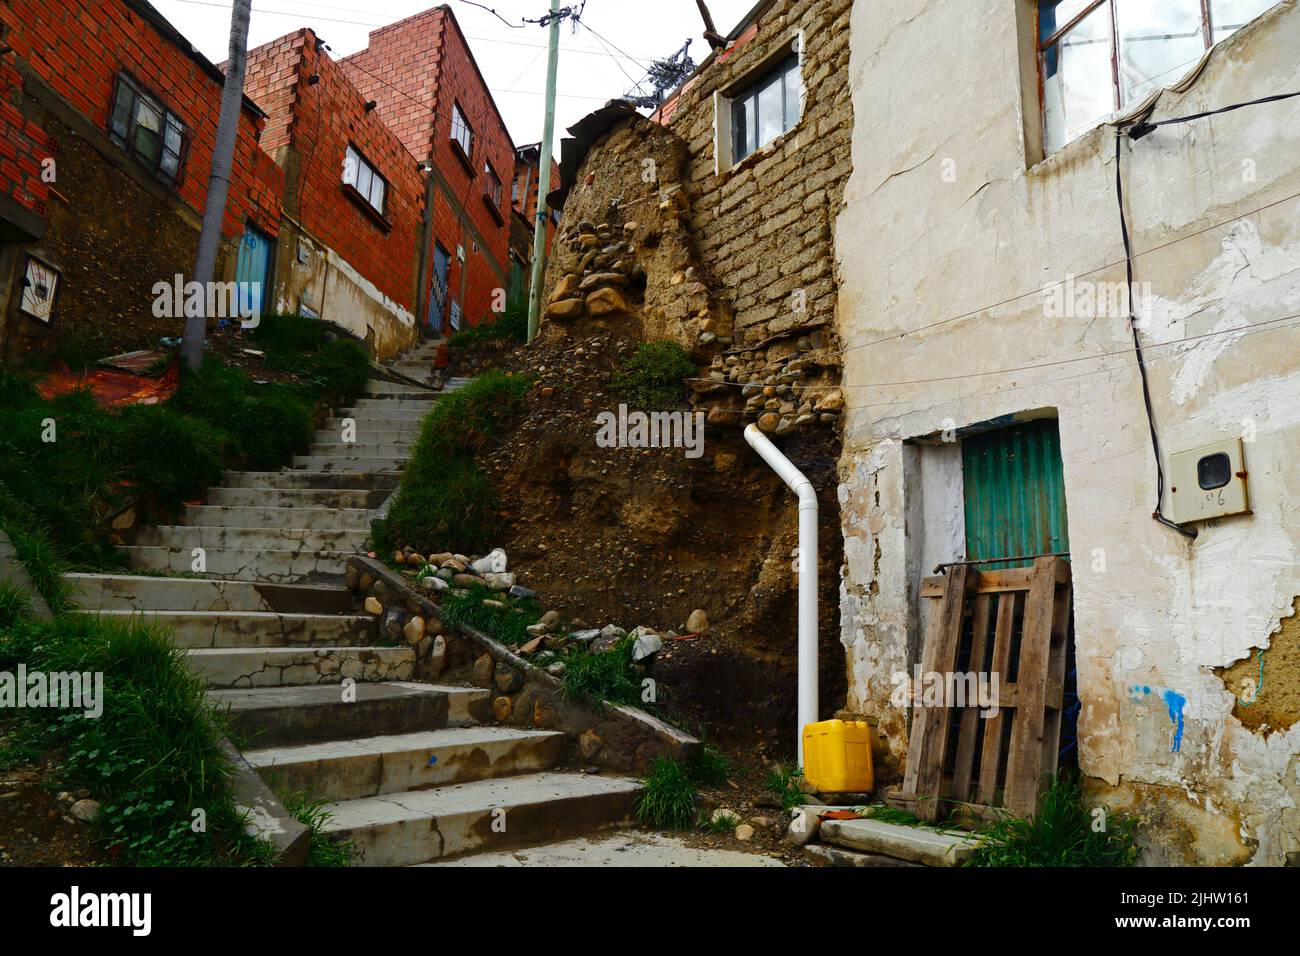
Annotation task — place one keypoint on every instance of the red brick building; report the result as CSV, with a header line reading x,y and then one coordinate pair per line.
x,y
107,124
354,196
429,90
523,203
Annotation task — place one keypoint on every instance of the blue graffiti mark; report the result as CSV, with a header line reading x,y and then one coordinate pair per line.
x,y
433,760
1175,702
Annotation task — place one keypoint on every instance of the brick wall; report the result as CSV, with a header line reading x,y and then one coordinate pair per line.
x,y
416,70
310,127
78,47
23,147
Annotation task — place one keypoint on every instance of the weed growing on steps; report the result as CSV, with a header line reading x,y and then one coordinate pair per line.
x,y
655,375
152,758
784,782
668,798
312,814
1063,832
444,497
14,604
720,823
602,676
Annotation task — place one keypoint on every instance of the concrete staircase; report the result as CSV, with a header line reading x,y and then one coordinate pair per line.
x,y
414,772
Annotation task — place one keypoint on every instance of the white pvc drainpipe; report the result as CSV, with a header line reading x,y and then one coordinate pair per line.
x,y
802,487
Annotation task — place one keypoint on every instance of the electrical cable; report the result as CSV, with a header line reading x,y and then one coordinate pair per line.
x,y
1143,127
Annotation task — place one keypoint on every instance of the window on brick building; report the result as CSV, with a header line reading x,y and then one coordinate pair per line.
x,y
1096,57
492,192
147,130
365,179
461,132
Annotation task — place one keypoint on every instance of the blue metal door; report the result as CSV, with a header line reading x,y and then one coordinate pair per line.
x,y
252,271
438,295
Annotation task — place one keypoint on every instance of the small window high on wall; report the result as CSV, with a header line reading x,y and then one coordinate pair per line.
x,y
1096,57
760,107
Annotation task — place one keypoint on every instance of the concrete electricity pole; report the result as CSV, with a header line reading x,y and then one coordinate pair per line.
x,y
214,209
544,177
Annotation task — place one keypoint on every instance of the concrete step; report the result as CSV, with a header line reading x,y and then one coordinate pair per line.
x,y
414,827
911,844
314,480
352,769
297,497
283,716
388,411
277,567
393,392
342,464
312,518
396,450
382,434
294,666
837,856
242,629
137,592
253,538
368,425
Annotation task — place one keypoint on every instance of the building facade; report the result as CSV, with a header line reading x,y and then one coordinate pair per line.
x,y
990,366
429,91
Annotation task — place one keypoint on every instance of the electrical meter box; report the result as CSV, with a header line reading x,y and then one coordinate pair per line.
x,y
1208,482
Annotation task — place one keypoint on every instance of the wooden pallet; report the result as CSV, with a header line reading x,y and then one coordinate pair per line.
x,y
984,622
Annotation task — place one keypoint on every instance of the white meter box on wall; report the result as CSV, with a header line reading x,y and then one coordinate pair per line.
x,y
1208,482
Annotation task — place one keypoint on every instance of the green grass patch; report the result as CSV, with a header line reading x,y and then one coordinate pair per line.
x,y
602,676
445,502
153,758
721,823
14,604
1062,832
708,767
507,626
655,375
509,327
783,781
667,800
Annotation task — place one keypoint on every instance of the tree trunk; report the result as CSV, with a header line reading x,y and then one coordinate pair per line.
x,y
214,209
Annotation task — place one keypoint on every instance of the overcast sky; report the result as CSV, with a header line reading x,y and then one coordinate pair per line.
x,y
512,61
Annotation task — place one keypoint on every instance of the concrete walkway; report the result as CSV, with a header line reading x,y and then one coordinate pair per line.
x,y
620,848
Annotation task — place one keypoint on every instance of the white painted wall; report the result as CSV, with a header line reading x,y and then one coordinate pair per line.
x,y
945,218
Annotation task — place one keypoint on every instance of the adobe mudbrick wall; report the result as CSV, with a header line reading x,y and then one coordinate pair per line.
x,y
736,264
62,82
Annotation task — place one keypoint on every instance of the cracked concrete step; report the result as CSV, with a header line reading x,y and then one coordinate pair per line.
x,y
352,769
195,629
303,516
293,666
278,567
146,592
282,716
297,497
341,464
388,411
404,828
376,434
912,844
366,481
395,450
367,424
253,538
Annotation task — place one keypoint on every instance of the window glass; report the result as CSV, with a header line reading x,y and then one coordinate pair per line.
x,y
771,110
766,110
351,163
1229,16
148,129
1078,86
377,192
1158,41
363,180
123,107
793,94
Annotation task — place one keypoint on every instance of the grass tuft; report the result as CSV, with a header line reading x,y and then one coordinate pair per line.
x,y
668,798
312,814
655,375
1062,832
784,782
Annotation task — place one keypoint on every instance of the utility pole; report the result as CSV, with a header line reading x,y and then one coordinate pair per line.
x,y
214,209
544,176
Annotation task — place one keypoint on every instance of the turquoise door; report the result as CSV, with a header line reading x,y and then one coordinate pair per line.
x,y
1015,493
253,270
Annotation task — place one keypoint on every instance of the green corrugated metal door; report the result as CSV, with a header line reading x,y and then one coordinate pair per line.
x,y
1015,493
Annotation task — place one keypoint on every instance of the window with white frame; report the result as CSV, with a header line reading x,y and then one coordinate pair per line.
x,y
1096,57
461,132
365,179
492,188
146,129
764,108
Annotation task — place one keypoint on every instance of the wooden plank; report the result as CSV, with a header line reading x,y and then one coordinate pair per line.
x,y
1056,677
981,582
1025,759
970,716
1009,697
991,755
930,724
